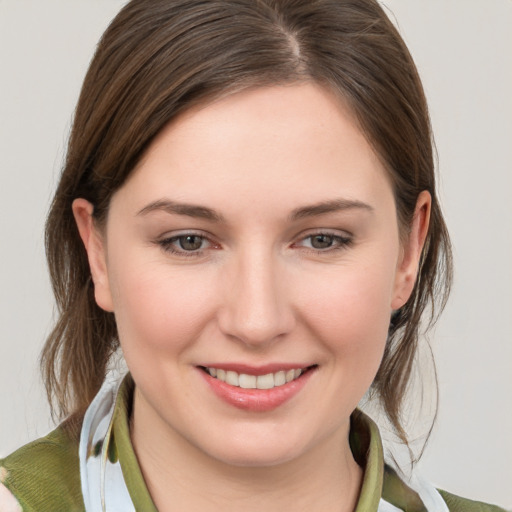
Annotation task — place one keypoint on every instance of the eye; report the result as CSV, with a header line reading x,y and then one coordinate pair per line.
x,y
190,242
321,241
325,242
187,244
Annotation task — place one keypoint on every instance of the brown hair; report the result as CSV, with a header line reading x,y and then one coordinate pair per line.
x,y
161,57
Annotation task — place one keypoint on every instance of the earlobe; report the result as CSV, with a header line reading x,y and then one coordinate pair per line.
x,y
408,265
96,252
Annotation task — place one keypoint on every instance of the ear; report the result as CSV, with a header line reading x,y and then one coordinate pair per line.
x,y
94,243
407,269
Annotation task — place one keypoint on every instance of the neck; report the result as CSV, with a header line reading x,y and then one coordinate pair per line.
x,y
179,476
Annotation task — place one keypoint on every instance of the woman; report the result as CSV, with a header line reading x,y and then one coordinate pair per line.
x,y
247,209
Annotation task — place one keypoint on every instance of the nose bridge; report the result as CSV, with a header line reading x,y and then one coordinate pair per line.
x,y
257,309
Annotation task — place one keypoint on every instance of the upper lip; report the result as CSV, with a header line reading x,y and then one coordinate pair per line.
x,y
257,370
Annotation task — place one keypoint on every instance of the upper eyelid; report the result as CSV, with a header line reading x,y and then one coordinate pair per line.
x,y
185,232
330,231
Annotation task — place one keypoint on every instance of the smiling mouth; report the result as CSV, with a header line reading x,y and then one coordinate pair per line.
x,y
246,381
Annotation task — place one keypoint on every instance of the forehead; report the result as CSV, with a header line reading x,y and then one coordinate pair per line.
x,y
283,145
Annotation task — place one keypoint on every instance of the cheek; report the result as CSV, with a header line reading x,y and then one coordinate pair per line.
x,y
350,312
158,309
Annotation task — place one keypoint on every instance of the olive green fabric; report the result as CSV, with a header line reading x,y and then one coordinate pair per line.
x,y
458,504
129,464
44,476
366,446
395,491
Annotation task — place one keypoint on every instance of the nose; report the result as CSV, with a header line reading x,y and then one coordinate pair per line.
x,y
257,309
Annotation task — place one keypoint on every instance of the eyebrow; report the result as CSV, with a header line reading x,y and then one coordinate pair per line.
x,y
331,206
203,212
190,210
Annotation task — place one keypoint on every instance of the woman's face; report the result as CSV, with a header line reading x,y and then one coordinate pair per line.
x,y
258,236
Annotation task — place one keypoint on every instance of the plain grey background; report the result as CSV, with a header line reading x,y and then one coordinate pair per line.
x,y
463,52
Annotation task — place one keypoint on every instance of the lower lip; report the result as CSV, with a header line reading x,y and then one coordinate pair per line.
x,y
256,400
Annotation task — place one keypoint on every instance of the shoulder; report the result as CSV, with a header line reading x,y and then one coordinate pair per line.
x,y
42,476
458,504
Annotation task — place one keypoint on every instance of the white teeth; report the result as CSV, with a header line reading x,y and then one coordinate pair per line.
x,y
232,378
245,381
279,378
265,381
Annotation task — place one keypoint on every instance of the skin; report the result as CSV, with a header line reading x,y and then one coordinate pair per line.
x,y
256,292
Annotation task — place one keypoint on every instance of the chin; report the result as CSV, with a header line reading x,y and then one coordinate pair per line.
x,y
257,449
257,457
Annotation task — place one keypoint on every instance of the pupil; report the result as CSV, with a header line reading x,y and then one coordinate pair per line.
x,y
321,241
190,242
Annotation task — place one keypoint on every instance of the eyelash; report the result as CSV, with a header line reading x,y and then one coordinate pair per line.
x,y
166,244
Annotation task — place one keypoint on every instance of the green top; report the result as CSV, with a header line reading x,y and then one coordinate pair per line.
x,y
44,476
